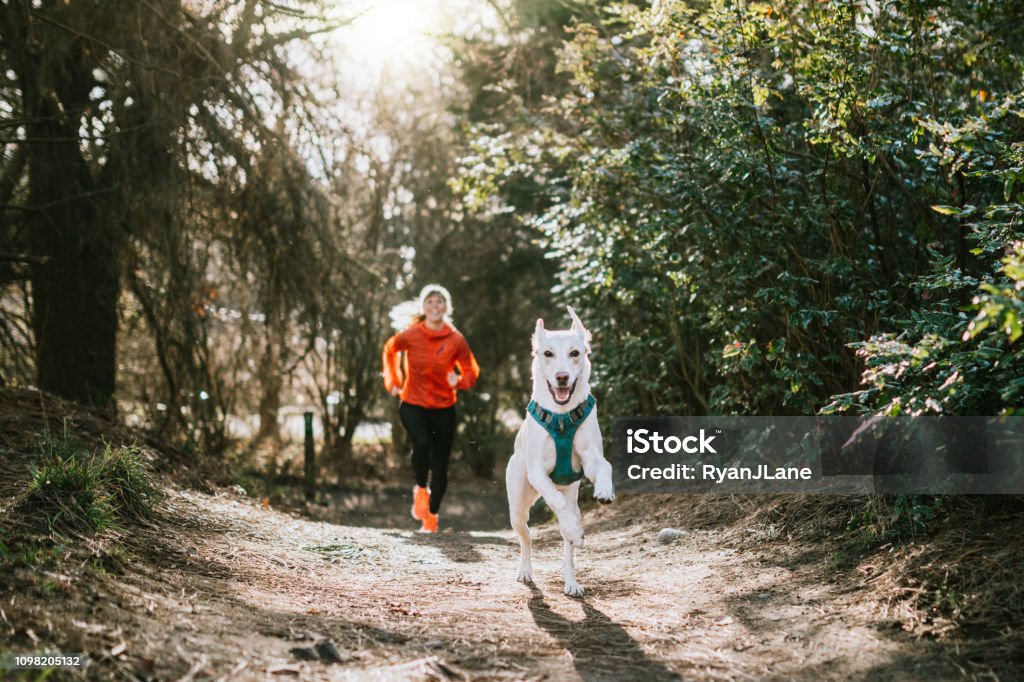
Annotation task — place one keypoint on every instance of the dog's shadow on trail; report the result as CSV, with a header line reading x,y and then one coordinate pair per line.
x,y
601,649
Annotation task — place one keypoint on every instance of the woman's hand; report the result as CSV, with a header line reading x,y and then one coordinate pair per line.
x,y
396,391
453,379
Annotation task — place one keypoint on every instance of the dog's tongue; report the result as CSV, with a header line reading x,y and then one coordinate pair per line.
x,y
562,394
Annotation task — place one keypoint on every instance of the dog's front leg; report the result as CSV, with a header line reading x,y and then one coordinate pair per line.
x,y
595,467
572,588
568,522
599,472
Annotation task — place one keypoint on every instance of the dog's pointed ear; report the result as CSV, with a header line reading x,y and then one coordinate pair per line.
x,y
538,334
576,324
578,327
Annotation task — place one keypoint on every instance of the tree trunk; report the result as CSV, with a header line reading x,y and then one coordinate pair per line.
x,y
75,284
271,384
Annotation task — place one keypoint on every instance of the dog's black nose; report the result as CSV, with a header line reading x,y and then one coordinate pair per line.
x,y
562,378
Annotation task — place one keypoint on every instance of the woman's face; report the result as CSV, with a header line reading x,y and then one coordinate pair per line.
x,y
434,308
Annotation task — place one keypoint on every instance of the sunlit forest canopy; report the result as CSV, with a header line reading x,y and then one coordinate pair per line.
x,y
784,207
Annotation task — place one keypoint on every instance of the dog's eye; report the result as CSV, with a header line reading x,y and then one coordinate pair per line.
x,y
548,354
574,354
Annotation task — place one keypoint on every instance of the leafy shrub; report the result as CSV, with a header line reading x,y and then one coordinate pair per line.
x,y
732,204
960,350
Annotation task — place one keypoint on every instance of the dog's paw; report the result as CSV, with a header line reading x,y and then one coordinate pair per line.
x,y
604,493
572,532
525,575
573,589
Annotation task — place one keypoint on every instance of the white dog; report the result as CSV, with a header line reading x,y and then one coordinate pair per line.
x,y
561,417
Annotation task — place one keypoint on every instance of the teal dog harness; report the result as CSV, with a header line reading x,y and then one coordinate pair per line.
x,y
562,428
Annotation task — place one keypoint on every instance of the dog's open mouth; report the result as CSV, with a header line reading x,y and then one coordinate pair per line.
x,y
561,394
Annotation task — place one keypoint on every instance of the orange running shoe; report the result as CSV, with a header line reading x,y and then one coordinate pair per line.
x,y
429,523
420,503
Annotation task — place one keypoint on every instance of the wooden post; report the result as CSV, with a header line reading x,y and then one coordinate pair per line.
x,y
309,484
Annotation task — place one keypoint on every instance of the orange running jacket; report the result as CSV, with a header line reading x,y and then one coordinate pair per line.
x,y
429,356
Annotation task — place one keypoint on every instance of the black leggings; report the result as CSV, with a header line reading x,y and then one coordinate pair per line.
x,y
431,432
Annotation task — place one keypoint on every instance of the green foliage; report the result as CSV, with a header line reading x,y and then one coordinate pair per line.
x,y
880,520
911,514
501,261
948,357
76,490
885,518
34,555
736,193
129,481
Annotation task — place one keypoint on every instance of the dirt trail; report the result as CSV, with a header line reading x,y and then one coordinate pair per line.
x,y
221,588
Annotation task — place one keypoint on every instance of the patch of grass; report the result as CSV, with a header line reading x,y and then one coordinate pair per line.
x,y
893,518
73,491
129,481
839,560
66,488
854,548
33,553
40,555
76,490
29,559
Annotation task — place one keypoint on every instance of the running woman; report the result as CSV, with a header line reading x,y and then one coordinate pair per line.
x,y
437,363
